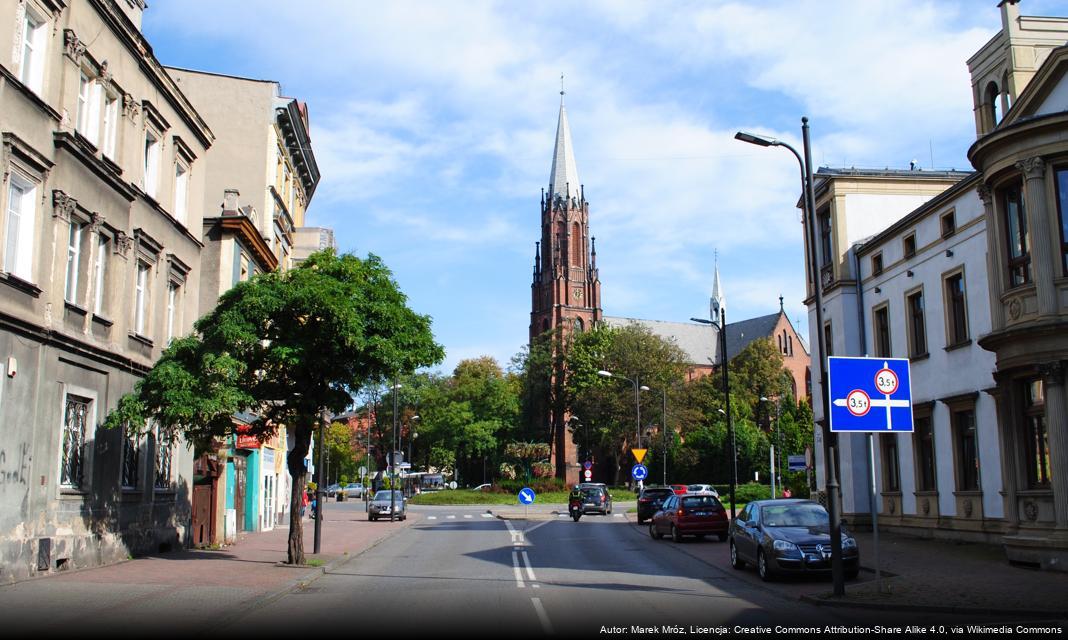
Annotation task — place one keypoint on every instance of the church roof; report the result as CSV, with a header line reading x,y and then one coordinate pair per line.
x,y
563,179
701,342
698,341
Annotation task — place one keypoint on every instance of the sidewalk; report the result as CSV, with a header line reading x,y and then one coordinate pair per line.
x,y
191,589
950,577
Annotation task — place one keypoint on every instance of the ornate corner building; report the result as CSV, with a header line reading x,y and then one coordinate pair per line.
x,y
566,288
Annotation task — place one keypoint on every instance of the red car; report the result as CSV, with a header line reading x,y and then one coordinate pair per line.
x,y
690,515
679,489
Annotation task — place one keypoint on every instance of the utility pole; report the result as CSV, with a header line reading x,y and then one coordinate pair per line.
x,y
320,490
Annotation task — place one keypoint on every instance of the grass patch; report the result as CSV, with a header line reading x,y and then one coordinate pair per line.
x,y
315,562
467,496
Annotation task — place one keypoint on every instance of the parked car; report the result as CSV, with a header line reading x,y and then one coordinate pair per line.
x,y
332,490
381,502
649,501
595,499
702,488
679,489
354,490
691,514
788,536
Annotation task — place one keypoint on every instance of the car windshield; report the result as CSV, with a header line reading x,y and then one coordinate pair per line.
x,y
384,495
657,494
795,515
697,502
591,493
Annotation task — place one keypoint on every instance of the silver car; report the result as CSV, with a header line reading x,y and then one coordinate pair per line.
x,y
381,503
702,488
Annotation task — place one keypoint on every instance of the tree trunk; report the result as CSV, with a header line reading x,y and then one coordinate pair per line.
x,y
298,472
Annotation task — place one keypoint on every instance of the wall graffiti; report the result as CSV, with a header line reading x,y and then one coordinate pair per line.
x,y
17,470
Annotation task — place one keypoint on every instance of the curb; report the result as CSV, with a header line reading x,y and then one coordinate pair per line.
x,y
824,601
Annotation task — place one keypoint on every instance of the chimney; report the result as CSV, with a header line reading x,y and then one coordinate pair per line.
x,y
229,205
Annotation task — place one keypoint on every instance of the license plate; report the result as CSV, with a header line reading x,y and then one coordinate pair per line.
x,y
700,513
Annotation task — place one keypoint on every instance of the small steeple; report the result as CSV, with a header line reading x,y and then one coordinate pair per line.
x,y
718,302
781,310
537,261
564,170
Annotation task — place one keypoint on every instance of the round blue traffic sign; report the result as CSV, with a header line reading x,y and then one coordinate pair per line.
x,y
526,495
587,465
639,472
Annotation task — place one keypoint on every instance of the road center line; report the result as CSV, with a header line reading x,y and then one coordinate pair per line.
x,y
530,570
546,626
518,573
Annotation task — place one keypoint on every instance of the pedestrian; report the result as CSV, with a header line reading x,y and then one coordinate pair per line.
x,y
304,502
786,493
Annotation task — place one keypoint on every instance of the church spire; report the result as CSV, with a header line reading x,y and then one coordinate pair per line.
x,y
564,174
718,301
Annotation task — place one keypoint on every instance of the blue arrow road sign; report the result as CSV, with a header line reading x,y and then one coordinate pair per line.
x,y
639,472
869,394
526,495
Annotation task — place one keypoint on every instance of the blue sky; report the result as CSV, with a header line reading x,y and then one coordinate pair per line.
x,y
433,124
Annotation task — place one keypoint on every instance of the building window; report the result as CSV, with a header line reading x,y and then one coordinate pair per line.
x,y
1036,436
164,458
141,297
576,244
31,73
85,88
925,455
789,345
891,463
181,189
90,97
949,223
956,310
100,274
74,260
825,238
916,324
1062,211
131,461
172,309
908,245
19,227
579,327
111,124
828,342
75,423
877,264
1016,234
967,455
992,104
151,169
881,336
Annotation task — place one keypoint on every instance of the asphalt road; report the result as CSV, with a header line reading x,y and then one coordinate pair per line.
x,y
458,572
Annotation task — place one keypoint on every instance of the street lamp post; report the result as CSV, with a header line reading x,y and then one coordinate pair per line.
x,y
637,404
412,435
722,324
829,446
393,456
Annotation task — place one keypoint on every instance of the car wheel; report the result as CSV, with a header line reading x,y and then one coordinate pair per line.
x,y
722,537
641,520
675,535
736,562
762,567
372,518
653,533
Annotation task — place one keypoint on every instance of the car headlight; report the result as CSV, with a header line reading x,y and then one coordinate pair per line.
x,y
848,543
784,546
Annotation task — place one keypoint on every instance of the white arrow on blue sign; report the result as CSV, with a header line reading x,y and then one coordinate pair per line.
x,y
526,495
639,472
869,394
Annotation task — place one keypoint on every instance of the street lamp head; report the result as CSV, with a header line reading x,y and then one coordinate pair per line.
x,y
644,388
751,138
722,411
763,399
417,417
604,374
415,435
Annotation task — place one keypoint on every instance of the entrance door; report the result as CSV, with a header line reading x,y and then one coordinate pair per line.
x,y
202,505
240,466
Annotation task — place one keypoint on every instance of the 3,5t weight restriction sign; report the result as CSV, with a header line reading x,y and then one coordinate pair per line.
x,y
869,394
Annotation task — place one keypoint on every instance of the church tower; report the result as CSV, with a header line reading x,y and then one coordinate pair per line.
x,y
566,290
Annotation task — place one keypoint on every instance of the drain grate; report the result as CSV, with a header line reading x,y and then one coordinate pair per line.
x,y
308,590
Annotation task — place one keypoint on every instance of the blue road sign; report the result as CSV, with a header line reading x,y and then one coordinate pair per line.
x,y
526,495
797,463
869,394
587,465
639,472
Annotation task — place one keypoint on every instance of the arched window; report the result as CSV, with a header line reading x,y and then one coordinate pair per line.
x,y
992,104
544,325
579,326
576,245
790,341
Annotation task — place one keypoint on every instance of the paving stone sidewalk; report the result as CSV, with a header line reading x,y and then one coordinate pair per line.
x,y
188,591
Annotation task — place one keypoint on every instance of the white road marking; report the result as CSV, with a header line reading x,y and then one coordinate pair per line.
x,y
468,516
518,573
617,515
451,517
530,570
517,536
487,515
546,626
431,517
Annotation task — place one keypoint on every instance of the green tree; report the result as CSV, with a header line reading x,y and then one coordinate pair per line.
x,y
342,449
285,346
607,405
